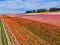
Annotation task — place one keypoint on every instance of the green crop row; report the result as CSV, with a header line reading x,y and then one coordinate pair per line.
x,y
4,40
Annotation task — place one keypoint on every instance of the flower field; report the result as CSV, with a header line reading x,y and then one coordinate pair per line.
x,y
39,29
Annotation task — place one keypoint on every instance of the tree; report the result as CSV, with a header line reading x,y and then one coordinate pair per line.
x,y
28,11
41,10
33,11
54,9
